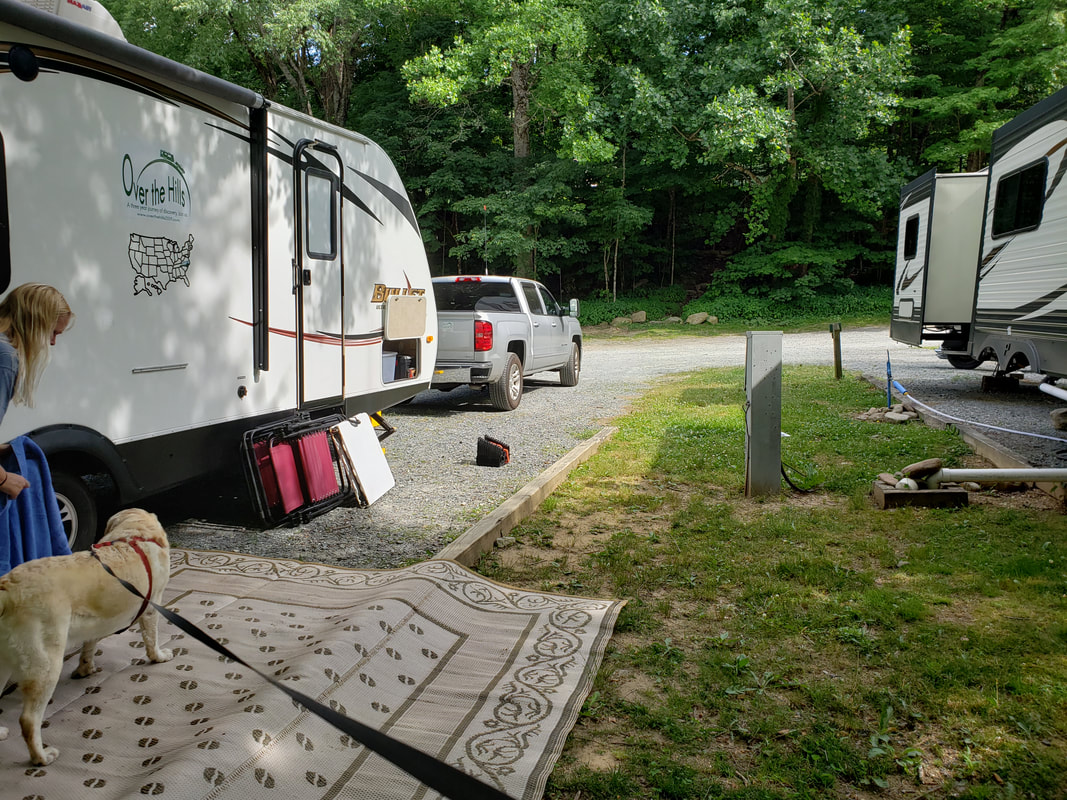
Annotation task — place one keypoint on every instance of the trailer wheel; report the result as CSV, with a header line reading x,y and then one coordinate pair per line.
x,y
963,362
506,393
568,375
77,509
959,361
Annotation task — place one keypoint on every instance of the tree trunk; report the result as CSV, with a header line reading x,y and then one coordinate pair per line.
x,y
520,108
672,226
520,129
615,274
607,277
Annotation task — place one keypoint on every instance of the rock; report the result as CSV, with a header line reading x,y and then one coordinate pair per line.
x,y
970,486
1059,419
923,469
897,418
638,316
673,319
621,322
698,318
886,478
505,541
713,320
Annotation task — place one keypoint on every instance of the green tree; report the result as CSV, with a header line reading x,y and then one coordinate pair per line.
x,y
536,51
304,53
977,65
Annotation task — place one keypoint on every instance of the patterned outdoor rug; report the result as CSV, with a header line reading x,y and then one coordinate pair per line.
x,y
486,677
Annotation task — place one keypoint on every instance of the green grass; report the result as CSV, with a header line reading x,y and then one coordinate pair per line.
x,y
809,645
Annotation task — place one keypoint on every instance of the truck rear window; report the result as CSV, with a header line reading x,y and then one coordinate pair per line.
x,y
475,296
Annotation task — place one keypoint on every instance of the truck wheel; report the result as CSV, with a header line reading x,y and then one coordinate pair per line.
x,y
507,392
568,375
77,509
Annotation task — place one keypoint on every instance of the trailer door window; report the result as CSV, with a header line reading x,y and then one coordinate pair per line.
x,y
1020,200
911,237
320,213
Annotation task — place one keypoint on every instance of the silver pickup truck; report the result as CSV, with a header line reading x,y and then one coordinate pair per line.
x,y
494,331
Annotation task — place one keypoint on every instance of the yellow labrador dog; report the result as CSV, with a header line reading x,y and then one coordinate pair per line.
x,y
51,605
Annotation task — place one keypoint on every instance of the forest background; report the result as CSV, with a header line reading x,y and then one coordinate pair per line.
x,y
732,156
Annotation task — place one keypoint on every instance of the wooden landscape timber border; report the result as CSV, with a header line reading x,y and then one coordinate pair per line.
x,y
479,539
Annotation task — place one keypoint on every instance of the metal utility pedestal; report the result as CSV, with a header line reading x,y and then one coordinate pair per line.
x,y
763,413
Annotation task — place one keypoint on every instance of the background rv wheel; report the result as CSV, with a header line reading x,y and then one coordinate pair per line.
x,y
961,361
77,508
506,393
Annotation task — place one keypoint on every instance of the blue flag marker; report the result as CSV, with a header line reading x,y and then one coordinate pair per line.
x,y
888,382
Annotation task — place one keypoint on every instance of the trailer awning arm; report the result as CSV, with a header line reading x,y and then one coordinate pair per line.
x,y
99,44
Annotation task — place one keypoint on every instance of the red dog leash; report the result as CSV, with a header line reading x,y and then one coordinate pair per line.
x,y
147,568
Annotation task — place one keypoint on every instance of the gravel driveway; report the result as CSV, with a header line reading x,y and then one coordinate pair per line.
x,y
440,491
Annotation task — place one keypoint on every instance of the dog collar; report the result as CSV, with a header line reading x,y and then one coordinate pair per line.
x,y
135,544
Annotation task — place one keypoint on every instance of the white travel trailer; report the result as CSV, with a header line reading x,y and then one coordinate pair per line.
x,y
1005,265
937,250
231,262
1020,314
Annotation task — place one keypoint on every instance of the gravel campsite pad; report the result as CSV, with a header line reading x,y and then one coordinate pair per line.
x,y
440,491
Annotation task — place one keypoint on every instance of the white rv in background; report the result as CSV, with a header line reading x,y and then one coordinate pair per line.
x,y
937,252
231,262
989,278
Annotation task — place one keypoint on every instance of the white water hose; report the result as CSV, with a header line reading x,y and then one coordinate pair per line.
x,y
1023,475
903,391
1055,391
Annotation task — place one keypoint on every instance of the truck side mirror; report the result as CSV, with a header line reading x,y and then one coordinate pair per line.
x,y
575,307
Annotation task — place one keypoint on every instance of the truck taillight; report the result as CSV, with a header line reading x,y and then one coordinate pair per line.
x,y
483,336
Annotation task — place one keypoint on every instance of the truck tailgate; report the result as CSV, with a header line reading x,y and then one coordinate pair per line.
x,y
455,335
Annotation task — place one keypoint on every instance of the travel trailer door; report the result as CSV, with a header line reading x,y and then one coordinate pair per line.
x,y
318,267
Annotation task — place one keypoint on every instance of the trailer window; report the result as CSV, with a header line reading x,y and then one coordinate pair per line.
x,y
1020,200
911,237
320,214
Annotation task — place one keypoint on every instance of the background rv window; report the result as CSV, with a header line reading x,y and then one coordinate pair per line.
x,y
320,214
911,237
1020,200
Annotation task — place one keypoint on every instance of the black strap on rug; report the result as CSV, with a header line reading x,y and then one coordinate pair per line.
x,y
436,774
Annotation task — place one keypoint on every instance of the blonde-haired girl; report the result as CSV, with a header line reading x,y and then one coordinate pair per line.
x,y
31,317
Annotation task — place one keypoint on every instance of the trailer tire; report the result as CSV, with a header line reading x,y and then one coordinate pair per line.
x,y
960,361
963,362
506,393
77,509
568,374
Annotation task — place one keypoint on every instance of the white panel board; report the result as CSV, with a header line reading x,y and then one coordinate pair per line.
x,y
372,470
405,317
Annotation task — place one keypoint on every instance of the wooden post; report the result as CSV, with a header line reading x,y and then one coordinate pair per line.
x,y
835,331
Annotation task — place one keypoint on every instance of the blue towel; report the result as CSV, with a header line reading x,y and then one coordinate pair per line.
x,y
30,525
